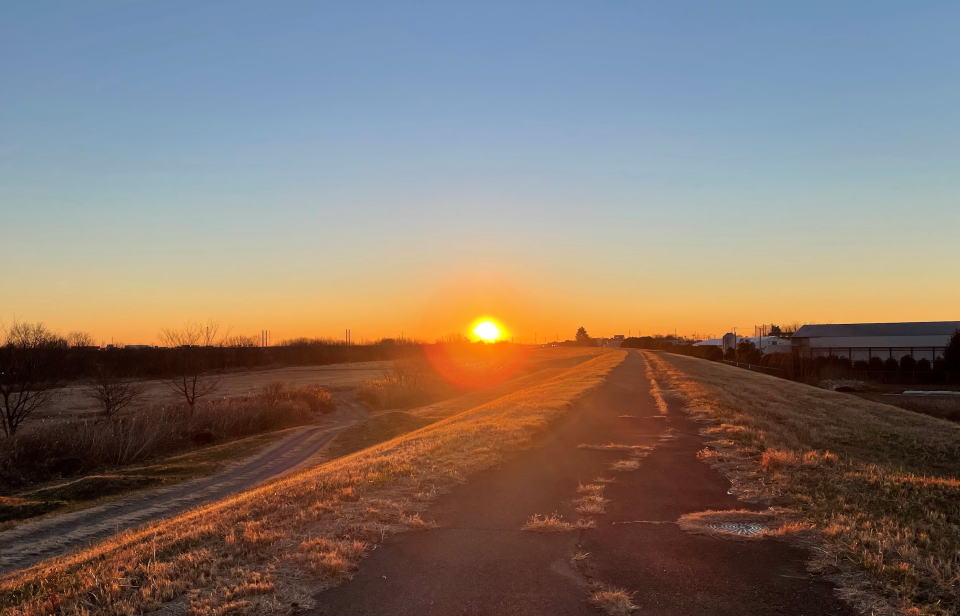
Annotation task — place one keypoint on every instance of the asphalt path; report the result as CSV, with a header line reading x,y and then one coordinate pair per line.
x,y
478,561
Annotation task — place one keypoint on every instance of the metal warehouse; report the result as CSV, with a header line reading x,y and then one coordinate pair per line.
x,y
861,341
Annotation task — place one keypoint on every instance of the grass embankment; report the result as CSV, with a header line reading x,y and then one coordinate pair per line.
x,y
89,490
275,545
880,484
544,364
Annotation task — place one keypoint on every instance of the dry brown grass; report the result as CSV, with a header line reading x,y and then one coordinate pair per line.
x,y
612,601
591,500
625,466
203,560
879,483
616,447
553,523
591,504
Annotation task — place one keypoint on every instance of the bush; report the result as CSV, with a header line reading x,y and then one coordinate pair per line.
x,y
411,382
315,398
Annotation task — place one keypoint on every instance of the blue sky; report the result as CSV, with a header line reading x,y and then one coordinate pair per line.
x,y
163,161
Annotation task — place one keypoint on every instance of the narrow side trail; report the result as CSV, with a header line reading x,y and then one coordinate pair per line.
x,y
478,561
57,534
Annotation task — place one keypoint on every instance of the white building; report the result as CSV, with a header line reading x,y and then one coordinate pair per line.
x,y
766,344
861,341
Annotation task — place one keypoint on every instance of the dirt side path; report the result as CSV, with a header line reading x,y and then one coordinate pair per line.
x,y
479,562
36,540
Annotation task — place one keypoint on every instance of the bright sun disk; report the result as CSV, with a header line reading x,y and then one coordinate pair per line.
x,y
486,331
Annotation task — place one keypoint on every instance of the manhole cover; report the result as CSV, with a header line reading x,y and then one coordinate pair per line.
x,y
737,528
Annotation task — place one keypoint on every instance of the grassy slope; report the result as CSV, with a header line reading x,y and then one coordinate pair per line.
x,y
545,363
93,489
266,548
882,485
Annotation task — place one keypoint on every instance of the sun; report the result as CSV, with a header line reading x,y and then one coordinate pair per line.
x,y
487,331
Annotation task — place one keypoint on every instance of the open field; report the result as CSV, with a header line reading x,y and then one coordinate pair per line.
x,y
71,400
880,485
271,546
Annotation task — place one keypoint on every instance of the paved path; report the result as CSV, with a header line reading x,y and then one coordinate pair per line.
x,y
478,562
32,541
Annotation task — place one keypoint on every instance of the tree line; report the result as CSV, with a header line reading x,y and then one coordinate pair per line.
x,y
35,361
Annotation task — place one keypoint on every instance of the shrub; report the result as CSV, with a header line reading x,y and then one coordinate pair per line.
x,y
65,448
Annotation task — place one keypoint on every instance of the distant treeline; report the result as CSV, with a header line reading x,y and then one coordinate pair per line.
x,y
158,362
673,344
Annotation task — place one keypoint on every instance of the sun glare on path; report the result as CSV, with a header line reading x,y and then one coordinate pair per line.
x,y
487,331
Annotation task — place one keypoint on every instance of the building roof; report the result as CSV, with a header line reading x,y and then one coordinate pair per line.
x,y
927,328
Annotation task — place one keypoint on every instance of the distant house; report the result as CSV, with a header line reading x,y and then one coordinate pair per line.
x,y
861,341
765,344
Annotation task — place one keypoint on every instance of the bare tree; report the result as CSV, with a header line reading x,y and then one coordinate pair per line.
x,y
79,339
30,358
111,392
189,374
241,342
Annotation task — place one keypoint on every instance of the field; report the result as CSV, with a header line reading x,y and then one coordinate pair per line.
x,y
267,548
880,485
71,401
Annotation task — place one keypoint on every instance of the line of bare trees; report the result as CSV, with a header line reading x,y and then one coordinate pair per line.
x,y
35,361
32,359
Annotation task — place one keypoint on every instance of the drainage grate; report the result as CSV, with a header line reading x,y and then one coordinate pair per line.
x,y
737,528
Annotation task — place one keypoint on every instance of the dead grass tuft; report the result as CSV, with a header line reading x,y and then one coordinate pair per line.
x,y
612,601
591,500
553,523
616,447
331,558
624,466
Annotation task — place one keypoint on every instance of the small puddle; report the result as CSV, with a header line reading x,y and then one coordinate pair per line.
x,y
732,523
737,528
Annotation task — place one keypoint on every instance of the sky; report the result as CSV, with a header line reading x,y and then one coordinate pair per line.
x,y
404,167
